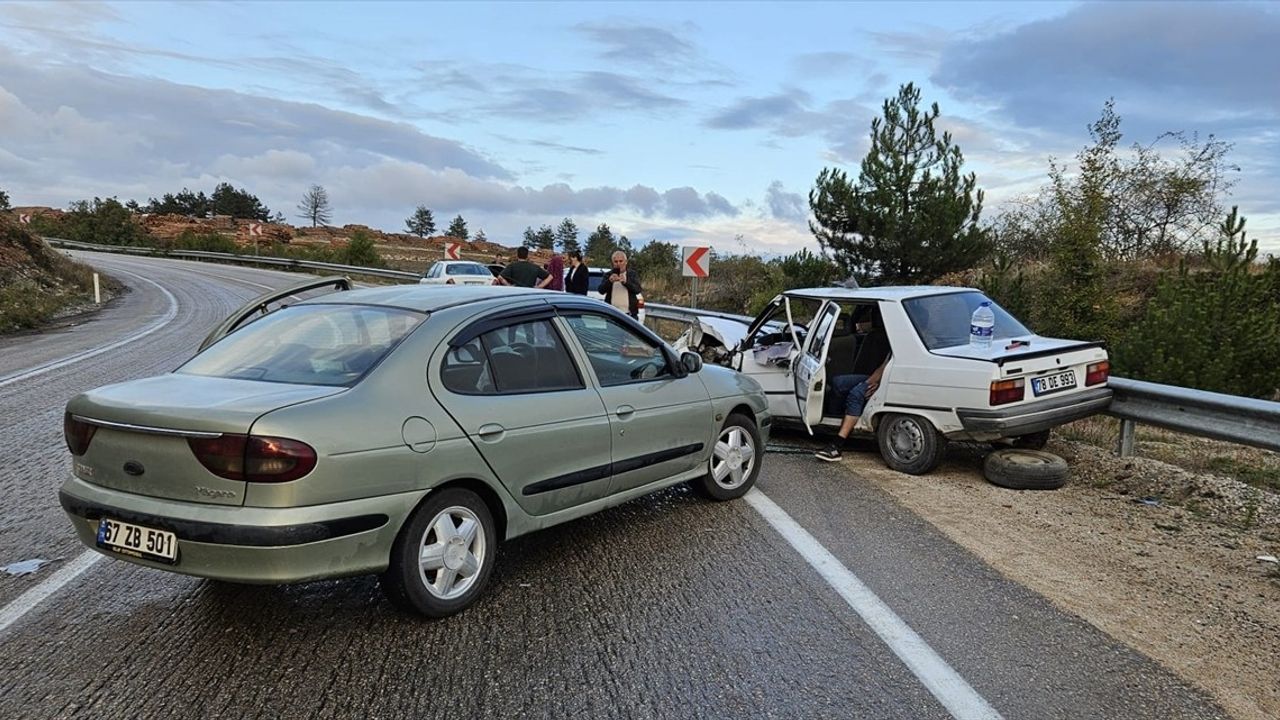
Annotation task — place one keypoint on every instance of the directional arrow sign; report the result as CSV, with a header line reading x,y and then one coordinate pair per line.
x,y
24,219
255,229
453,251
697,261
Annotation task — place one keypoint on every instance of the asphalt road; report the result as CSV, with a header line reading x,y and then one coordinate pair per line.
x,y
667,606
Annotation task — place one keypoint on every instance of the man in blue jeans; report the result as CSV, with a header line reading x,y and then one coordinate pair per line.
x,y
873,352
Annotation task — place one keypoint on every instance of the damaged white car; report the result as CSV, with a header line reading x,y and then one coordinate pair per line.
x,y
935,386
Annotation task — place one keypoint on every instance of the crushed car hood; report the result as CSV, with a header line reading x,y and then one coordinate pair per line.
x,y
723,331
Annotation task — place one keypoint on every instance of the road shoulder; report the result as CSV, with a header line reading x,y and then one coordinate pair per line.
x,y
1162,578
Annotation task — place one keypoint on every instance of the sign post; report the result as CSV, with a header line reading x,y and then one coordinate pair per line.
x,y
695,264
255,232
453,251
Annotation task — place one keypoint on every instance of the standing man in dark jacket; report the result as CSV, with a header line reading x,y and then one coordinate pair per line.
x,y
622,288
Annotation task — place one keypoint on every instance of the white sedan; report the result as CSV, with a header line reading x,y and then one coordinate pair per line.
x,y
457,272
935,387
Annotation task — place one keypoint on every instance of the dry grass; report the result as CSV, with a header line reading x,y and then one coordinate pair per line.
x,y
37,283
1255,467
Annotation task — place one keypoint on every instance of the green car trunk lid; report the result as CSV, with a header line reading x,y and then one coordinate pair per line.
x,y
141,443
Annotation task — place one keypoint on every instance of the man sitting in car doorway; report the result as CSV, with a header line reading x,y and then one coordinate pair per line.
x,y
871,355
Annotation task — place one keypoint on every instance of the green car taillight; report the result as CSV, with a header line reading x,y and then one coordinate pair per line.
x,y
77,433
254,458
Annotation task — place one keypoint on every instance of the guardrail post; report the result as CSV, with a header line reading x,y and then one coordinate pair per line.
x,y
1127,430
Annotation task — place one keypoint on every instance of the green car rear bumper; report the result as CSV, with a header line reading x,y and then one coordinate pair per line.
x,y
246,544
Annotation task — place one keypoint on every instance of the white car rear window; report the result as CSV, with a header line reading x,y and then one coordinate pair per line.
x,y
943,320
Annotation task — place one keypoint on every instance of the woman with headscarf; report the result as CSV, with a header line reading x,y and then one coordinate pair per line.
x,y
556,268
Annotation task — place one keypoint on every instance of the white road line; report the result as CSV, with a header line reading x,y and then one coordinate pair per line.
x,y
52,584
956,695
169,315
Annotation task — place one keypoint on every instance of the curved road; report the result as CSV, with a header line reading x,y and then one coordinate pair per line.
x,y
817,597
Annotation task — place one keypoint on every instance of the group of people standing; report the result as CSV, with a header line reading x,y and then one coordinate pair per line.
x,y
621,288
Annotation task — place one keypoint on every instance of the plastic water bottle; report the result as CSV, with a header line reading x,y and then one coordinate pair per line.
x,y
982,326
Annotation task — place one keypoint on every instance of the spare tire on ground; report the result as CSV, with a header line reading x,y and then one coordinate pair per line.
x,y
1020,469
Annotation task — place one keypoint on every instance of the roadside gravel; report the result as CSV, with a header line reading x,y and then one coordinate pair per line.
x,y
1160,558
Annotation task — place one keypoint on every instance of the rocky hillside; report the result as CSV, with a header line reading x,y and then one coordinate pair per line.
x,y
37,283
398,250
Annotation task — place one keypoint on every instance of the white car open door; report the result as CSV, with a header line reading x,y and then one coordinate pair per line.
x,y
810,367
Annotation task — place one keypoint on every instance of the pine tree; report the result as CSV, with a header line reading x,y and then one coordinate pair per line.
x,y
567,236
480,236
240,204
4,200
545,238
315,206
421,223
912,216
530,237
457,228
600,246
1214,329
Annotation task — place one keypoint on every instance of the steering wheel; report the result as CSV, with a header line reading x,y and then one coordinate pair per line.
x,y
523,349
648,370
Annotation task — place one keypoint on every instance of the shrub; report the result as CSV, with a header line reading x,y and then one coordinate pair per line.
x,y
740,284
1006,282
359,251
209,242
1214,329
98,221
806,270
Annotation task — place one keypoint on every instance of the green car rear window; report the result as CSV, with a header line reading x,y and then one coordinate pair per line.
x,y
307,345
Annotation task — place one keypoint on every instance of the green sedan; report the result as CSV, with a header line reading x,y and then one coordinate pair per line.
x,y
401,431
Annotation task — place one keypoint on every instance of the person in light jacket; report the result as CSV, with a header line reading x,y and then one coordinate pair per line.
x,y
622,288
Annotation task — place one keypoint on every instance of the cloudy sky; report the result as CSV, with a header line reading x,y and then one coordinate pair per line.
x,y
689,122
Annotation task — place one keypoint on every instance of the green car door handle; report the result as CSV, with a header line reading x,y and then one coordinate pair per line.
x,y
625,411
490,431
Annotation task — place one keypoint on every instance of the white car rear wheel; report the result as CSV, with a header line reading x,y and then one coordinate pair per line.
x,y
910,444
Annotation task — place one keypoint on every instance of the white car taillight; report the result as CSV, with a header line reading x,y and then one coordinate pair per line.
x,y
1097,373
1007,391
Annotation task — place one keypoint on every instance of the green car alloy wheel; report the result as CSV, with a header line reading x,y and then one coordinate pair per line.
x,y
442,558
734,462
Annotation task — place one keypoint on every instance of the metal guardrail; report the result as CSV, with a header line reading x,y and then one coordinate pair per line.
x,y
232,257
1246,421
675,312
